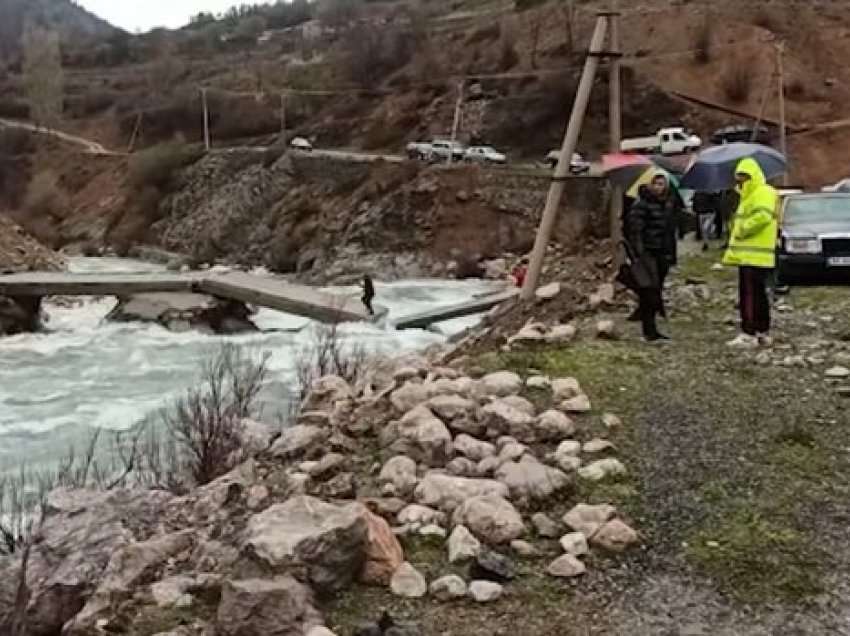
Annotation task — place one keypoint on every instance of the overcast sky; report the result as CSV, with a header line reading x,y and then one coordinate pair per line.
x,y
147,14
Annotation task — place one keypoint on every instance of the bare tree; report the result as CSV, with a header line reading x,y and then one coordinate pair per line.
x,y
43,76
534,22
569,14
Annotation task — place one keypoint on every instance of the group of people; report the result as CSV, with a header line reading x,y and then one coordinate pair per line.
x,y
650,235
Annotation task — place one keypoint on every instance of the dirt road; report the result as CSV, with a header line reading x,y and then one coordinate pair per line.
x,y
91,147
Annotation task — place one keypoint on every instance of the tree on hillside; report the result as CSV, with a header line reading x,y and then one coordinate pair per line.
x,y
43,76
568,13
339,13
534,23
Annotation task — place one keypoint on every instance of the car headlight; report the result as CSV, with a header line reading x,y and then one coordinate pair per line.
x,y
802,246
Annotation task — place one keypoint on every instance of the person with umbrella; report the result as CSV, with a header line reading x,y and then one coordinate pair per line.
x,y
752,249
650,237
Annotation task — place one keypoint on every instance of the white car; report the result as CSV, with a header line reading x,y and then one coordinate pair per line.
x,y
578,164
299,143
667,141
485,154
441,150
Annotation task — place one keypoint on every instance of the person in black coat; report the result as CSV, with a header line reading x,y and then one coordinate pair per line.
x,y
368,293
650,234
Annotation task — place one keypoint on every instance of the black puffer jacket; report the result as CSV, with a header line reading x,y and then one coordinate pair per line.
x,y
651,225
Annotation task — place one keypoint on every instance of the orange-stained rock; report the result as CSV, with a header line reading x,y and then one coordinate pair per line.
x,y
384,553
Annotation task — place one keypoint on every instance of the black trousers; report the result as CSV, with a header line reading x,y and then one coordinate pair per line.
x,y
367,300
651,300
753,299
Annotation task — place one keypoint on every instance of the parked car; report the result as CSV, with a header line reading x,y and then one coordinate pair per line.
x,y
814,242
740,132
437,150
484,154
578,165
419,150
667,141
299,143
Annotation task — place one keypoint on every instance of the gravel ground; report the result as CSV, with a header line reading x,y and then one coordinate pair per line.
x,y
739,482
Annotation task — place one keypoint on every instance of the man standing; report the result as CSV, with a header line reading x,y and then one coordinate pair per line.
x,y
368,293
752,248
651,239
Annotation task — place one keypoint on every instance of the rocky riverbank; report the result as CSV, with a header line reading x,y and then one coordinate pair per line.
x,y
415,452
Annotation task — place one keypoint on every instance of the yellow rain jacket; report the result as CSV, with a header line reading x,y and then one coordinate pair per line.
x,y
753,236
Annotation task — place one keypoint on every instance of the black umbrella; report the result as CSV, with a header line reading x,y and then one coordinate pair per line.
x,y
714,168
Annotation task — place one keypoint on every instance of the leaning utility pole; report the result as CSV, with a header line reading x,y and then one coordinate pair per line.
x,y
456,122
206,118
556,190
783,131
615,120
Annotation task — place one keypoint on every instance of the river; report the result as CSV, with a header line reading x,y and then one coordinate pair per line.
x,y
84,373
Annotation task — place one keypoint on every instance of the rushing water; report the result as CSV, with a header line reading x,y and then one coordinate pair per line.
x,y
86,373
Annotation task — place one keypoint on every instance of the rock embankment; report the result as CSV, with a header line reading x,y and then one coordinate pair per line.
x,y
411,451
19,252
182,312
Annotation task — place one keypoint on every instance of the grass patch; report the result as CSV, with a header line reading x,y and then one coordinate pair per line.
x,y
755,558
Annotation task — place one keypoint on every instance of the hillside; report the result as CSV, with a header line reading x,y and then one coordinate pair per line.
x,y
73,22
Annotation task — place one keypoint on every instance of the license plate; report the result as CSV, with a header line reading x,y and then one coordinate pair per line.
x,y
838,261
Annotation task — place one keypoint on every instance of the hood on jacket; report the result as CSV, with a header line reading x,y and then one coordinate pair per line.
x,y
645,192
751,168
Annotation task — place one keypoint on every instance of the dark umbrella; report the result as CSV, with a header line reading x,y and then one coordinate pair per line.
x,y
714,168
623,169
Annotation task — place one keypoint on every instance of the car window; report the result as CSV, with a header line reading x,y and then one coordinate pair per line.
x,y
679,137
800,212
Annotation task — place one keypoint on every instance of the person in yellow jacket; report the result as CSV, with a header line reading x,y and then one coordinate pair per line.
x,y
752,249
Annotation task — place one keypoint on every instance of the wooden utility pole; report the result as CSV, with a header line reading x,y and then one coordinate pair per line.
x,y
456,122
615,120
556,190
136,129
206,119
783,131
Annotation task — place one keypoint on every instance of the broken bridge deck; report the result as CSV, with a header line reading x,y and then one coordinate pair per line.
x,y
271,293
468,308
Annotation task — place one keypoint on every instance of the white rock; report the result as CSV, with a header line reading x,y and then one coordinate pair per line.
x,y
578,404
838,372
257,495
298,440
430,436
416,515
569,447
501,384
502,417
432,530
403,374
565,388
611,421
451,407
561,334
473,448
554,425
448,588
255,437
566,566
574,543
548,292
485,591
512,452
320,630
529,334
446,492
487,466
606,329
568,463
604,295
504,440
408,582
523,548
596,446
409,396
400,471
614,536
530,480
545,526
168,592
462,467
462,545
490,518
602,469
538,382
587,519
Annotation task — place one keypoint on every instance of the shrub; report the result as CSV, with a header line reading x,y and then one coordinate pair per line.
x,y
156,167
206,421
737,83
328,354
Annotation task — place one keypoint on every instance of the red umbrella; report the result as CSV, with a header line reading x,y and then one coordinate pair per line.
x,y
623,169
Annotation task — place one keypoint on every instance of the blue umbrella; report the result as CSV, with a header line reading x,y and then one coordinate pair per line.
x,y
714,168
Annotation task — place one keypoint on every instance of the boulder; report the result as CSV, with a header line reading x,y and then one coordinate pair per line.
x,y
501,417
485,591
408,582
511,452
430,438
545,526
169,591
451,407
254,437
523,548
326,392
597,446
472,448
300,442
323,543
611,421
614,536
602,469
265,607
574,543
448,588
606,330
548,292
487,466
538,382
492,566
462,545
491,519
529,334
446,492
566,566
837,373
500,384
184,311
409,396
554,426
561,334
578,404
384,553
587,519
520,404
565,388
462,467
529,480
319,630
400,471
416,515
